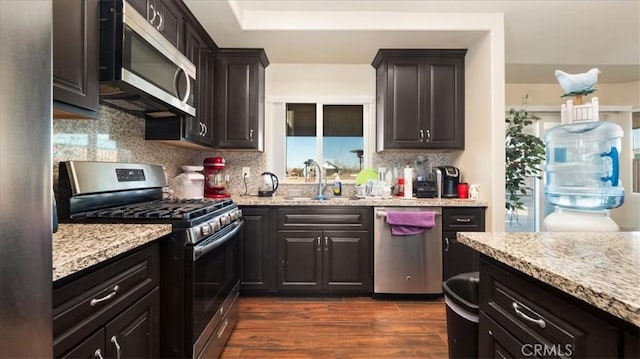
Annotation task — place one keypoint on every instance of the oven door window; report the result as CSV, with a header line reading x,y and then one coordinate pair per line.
x,y
147,62
215,274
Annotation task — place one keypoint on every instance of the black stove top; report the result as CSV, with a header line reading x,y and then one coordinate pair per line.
x,y
163,209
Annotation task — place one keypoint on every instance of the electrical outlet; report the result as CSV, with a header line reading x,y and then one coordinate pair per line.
x,y
245,172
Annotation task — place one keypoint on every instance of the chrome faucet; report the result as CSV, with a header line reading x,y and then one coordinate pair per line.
x,y
321,186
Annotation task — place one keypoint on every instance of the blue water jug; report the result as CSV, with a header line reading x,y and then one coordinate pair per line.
x,y
582,166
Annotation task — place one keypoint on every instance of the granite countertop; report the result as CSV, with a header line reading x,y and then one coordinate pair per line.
x,y
348,201
79,246
602,269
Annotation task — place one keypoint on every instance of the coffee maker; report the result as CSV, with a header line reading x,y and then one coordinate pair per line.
x,y
447,179
424,184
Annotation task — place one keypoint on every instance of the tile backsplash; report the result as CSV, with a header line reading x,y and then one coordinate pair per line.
x,y
119,137
115,137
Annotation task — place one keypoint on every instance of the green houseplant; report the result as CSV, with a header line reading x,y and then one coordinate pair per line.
x,y
524,156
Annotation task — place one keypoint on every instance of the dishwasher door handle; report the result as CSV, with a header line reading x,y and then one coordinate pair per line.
x,y
381,213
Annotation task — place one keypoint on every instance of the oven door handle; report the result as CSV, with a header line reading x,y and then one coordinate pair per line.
x,y
199,251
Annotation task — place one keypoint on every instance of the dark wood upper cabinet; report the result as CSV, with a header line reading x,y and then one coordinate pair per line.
x,y
200,128
420,99
239,79
75,58
192,131
164,15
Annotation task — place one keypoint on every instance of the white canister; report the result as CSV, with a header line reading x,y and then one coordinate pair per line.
x,y
408,182
474,192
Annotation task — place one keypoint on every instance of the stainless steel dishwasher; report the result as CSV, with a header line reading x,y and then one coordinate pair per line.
x,y
407,264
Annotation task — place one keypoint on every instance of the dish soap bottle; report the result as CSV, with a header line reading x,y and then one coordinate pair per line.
x,y
337,186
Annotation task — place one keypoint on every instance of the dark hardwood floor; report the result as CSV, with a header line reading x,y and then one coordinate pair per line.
x,y
350,327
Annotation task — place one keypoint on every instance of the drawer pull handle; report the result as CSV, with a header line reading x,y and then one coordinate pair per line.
x,y
114,340
95,301
98,354
463,220
223,328
540,322
446,240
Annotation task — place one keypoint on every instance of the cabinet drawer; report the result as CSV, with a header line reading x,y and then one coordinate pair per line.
x,y
88,302
325,218
526,309
463,219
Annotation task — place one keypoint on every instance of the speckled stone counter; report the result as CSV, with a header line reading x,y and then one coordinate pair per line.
x,y
346,201
79,246
602,269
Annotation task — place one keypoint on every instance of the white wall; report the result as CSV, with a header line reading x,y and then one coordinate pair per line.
x,y
483,158
627,94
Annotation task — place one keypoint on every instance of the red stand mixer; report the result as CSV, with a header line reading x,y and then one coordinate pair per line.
x,y
215,180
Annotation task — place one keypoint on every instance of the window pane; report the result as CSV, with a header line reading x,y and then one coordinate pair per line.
x,y
301,139
342,142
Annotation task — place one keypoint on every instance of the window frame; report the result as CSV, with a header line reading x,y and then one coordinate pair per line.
x,y
275,148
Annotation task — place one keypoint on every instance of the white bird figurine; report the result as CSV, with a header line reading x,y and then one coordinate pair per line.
x,y
578,83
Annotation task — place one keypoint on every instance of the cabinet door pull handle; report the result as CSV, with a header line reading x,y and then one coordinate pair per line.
x,y
319,249
326,243
205,129
428,135
446,241
250,135
98,354
114,340
421,135
113,293
463,220
153,11
159,27
539,322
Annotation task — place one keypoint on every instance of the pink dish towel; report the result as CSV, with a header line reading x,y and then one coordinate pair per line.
x,y
407,223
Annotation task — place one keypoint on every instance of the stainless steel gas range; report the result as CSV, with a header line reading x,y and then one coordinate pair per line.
x,y
200,264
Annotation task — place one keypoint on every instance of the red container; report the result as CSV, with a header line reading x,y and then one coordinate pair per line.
x,y
463,190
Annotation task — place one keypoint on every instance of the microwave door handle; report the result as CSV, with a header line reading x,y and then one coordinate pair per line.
x,y
199,251
176,78
188,92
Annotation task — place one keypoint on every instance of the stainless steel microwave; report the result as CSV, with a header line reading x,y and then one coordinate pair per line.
x,y
140,70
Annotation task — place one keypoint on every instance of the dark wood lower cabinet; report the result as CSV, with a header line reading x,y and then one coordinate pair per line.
x,y
346,260
135,333
258,252
332,261
523,317
456,257
324,250
300,260
110,312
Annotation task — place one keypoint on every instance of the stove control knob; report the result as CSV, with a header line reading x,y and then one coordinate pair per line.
x,y
205,229
224,219
239,212
234,215
215,225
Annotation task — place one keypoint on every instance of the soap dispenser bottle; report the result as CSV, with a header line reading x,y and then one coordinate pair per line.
x,y
337,186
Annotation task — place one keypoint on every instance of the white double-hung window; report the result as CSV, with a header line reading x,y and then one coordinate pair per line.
x,y
332,134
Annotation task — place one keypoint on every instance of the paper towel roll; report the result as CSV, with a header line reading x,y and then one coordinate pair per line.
x,y
408,182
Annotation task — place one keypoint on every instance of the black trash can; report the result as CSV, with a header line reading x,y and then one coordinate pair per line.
x,y
461,298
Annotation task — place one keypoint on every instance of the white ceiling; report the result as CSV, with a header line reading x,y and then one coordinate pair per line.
x,y
540,35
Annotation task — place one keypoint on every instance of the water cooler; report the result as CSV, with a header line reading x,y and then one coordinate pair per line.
x,y
582,171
